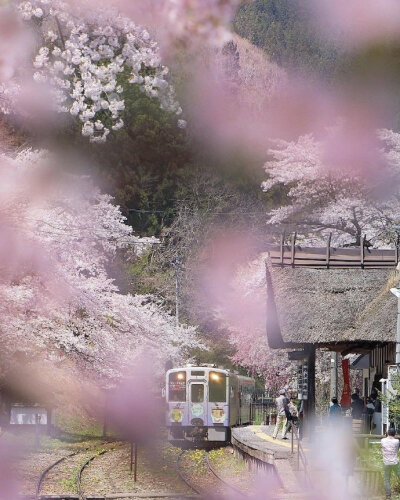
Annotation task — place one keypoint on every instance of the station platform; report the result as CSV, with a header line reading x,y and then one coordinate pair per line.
x,y
257,442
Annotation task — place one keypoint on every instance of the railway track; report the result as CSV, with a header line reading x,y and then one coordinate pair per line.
x,y
200,491
81,495
46,471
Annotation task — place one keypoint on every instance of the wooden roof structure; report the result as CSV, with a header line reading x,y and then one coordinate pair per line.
x,y
335,298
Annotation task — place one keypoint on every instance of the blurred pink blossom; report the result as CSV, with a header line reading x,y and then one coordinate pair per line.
x,y
135,407
8,483
15,43
344,117
357,22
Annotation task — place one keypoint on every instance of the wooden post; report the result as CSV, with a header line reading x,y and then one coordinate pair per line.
x,y
328,250
134,461
291,428
131,462
282,243
311,381
309,403
362,250
293,248
135,470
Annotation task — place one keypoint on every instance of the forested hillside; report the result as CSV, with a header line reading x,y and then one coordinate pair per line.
x,y
281,28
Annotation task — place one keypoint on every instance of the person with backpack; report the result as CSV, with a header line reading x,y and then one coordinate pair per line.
x,y
292,418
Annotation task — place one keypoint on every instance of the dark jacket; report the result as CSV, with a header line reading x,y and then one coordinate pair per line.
x,y
286,408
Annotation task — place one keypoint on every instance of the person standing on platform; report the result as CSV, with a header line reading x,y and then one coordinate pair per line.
x,y
281,416
357,406
390,450
335,410
294,417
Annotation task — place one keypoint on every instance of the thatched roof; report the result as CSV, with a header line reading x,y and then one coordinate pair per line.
x,y
330,306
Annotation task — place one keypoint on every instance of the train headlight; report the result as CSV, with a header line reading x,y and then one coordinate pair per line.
x,y
214,376
180,376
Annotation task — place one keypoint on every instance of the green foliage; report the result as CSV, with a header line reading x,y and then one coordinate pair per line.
x,y
392,400
71,482
142,164
226,463
281,28
78,427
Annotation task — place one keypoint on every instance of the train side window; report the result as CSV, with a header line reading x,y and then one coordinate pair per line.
x,y
217,387
177,387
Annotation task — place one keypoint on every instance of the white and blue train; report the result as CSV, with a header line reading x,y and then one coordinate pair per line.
x,y
204,402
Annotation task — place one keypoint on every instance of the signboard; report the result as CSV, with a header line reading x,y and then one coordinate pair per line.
x,y
28,415
302,380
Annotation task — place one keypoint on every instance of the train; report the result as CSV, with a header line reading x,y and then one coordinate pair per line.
x,y
205,402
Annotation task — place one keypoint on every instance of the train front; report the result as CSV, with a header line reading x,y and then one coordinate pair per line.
x,y
198,403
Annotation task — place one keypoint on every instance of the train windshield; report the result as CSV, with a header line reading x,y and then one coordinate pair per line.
x,y
217,387
197,393
177,387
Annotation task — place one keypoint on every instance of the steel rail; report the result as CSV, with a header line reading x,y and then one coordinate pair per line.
x,y
212,470
48,469
81,495
226,483
181,475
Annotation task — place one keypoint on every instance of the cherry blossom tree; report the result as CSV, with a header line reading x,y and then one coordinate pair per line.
x,y
86,58
57,299
242,314
322,199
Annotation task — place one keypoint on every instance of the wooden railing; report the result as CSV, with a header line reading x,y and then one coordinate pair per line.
x,y
328,257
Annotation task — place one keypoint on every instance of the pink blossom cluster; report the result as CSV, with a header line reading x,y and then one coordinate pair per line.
x,y
88,58
205,18
356,23
192,23
342,200
57,298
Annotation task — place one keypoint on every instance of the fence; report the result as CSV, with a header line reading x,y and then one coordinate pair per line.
x,y
263,412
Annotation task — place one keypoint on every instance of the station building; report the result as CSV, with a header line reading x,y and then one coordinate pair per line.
x,y
335,299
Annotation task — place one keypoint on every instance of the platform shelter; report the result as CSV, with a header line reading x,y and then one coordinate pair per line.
x,y
337,299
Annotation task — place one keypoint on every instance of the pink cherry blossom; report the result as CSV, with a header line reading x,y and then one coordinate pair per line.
x,y
357,22
340,199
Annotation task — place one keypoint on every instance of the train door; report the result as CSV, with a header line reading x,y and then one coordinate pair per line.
x,y
197,403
